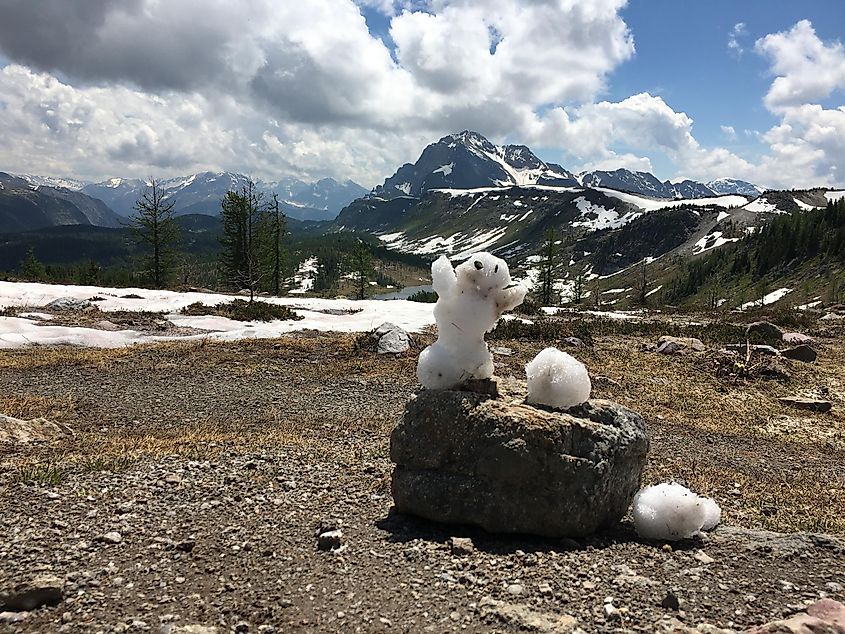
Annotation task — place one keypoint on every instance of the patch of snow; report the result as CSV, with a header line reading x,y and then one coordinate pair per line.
x,y
762,206
835,195
802,205
711,241
722,215
604,218
444,169
16,332
770,298
652,292
405,188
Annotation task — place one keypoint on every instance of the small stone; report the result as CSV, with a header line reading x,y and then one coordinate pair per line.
x,y
680,344
327,526
703,557
515,588
242,626
13,617
112,537
612,612
172,478
671,602
669,347
185,546
667,548
764,330
575,342
803,353
545,589
330,540
461,546
501,351
796,338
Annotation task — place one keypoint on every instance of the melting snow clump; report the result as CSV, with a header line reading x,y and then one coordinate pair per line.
x,y
671,511
471,298
557,379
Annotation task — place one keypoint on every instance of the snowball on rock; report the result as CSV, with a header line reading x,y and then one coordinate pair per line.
x,y
670,511
470,299
557,379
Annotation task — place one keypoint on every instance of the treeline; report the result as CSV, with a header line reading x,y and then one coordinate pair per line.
x,y
248,248
776,249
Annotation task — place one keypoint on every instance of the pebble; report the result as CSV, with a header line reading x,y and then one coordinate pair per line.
x,y
330,540
461,546
112,537
703,557
515,588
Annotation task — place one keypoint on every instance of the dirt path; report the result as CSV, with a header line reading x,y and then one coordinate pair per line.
x,y
215,464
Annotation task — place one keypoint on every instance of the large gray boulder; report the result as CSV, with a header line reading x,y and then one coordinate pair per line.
x,y
470,458
70,303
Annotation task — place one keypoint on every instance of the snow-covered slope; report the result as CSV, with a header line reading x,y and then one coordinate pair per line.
x,y
50,181
735,186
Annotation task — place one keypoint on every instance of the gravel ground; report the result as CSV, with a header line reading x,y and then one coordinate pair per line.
x,y
199,474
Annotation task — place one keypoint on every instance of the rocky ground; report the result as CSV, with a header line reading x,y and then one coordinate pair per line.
x,y
197,477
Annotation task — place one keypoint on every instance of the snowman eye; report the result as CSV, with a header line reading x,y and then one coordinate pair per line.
x,y
478,265
496,270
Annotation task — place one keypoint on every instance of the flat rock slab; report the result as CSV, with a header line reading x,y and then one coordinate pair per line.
x,y
810,404
40,591
508,467
27,431
802,352
679,344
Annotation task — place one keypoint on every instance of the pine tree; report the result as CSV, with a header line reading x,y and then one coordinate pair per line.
x,y
31,267
275,231
548,253
155,228
362,267
242,253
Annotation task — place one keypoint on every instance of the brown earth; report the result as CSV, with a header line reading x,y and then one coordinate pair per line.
x,y
215,463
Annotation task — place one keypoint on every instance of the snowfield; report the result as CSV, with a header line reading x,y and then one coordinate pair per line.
x,y
21,331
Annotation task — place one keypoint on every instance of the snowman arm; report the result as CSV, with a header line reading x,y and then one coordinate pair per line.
x,y
443,278
510,298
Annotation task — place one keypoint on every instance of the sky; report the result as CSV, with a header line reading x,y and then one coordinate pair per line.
x,y
94,89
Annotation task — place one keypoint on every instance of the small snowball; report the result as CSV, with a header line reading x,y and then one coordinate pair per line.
x,y
557,379
671,511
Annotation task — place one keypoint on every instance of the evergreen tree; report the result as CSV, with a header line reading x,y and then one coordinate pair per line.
x,y
31,267
155,228
275,230
362,267
578,288
548,253
243,223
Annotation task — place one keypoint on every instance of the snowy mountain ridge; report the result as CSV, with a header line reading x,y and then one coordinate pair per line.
x,y
468,160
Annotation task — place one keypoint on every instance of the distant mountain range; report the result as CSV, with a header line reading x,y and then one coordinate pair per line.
x,y
24,207
202,193
469,161
466,194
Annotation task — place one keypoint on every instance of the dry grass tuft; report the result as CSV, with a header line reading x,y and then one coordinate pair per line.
x,y
28,406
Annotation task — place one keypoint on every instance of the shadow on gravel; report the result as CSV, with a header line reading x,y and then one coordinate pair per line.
x,y
402,528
